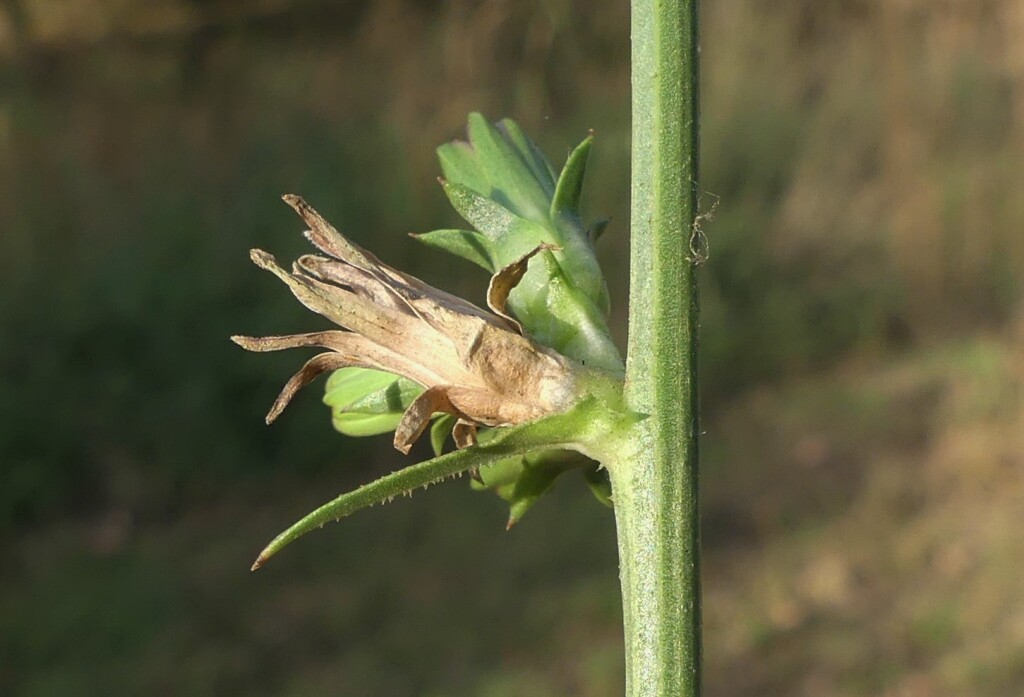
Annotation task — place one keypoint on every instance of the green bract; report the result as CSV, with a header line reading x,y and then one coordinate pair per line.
x,y
503,186
521,481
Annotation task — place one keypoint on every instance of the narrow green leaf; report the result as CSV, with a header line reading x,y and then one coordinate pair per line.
x,y
513,182
566,201
511,235
460,164
557,431
499,474
529,151
538,476
467,244
439,432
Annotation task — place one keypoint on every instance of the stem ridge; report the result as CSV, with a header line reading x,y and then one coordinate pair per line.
x,y
655,480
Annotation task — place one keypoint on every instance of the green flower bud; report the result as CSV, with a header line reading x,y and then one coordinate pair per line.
x,y
366,402
503,186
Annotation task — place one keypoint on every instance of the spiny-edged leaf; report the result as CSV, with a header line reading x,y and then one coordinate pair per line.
x,y
529,151
513,182
566,201
460,164
557,431
440,431
467,244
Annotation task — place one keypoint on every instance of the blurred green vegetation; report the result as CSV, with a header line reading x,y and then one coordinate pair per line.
x,y
861,347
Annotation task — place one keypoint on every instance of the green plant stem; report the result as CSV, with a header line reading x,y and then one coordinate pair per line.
x,y
654,480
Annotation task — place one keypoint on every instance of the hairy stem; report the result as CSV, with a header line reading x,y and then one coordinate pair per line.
x,y
654,480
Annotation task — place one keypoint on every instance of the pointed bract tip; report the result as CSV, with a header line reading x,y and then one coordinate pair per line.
x,y
299,205
275,411
264,260
249,343
260,561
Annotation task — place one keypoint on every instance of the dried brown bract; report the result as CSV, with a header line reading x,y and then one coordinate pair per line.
x,y
474,364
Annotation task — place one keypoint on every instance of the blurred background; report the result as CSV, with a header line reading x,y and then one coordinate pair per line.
x,y
862,348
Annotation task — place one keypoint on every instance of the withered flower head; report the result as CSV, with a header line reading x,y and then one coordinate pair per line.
x,y
473,364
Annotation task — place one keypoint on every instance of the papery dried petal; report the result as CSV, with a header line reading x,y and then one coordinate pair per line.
x,y
464,434
384,325
417,416
328,240
314,367
360,350
474,365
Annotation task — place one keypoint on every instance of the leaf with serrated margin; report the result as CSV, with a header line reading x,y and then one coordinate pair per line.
x,y
557,431
440,431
